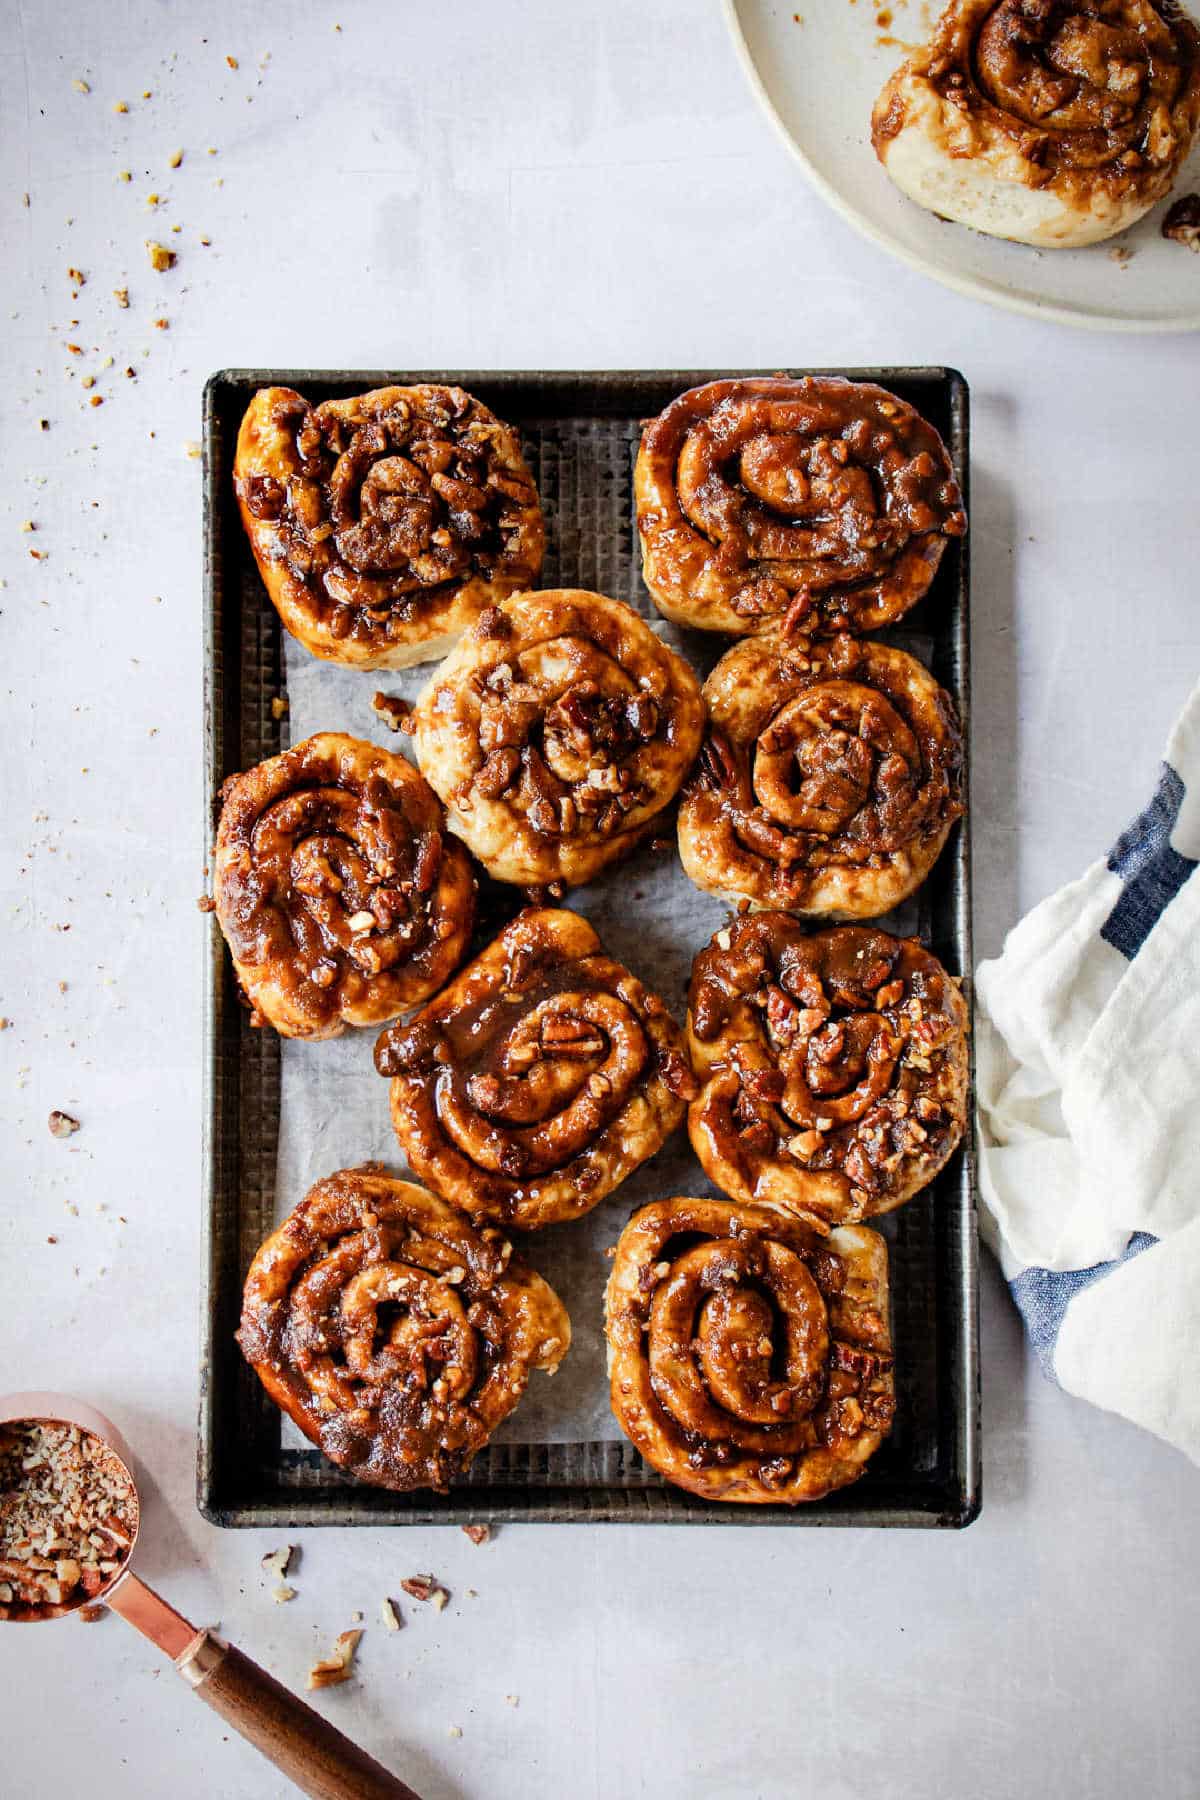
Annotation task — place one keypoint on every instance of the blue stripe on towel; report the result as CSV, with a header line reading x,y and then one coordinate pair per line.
x,y
1044,1295
1153,872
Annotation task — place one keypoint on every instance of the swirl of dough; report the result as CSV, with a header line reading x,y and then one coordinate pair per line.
x,y
833,1067
340,896
829,781
384,524
749,1355
394,1333
821,501
556,733
541,1077
1054,122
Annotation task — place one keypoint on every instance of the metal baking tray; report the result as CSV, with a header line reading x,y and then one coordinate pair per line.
x,y
580,433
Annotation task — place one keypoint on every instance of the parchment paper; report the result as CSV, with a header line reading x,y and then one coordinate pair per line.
x,y
333,1107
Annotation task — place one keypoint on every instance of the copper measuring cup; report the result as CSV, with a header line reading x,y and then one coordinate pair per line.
x,y
304,1746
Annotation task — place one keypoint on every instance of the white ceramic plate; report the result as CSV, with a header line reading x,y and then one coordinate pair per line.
x,y
818,79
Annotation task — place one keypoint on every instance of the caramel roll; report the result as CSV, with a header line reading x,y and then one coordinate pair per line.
x,y
556,733
1053,123
833,1067
383,525
395,1334
829,780
341,898
821,501
750,1357
539,1079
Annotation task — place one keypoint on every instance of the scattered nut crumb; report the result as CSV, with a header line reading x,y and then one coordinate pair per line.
x,y
125,175
232,61
389,1615
279,706
96,400
28,525
478,1534
77,276
5,1024
283,1593
1182,223
62,1125
81,87
120,106
160,257
335,1668
512,1699
1121,255
87,1615
395,712
121,296
425,1587
280,1562
454,1731
175,158
206,903
162,325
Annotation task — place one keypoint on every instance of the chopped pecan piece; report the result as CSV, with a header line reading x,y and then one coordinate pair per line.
x,y
1182,223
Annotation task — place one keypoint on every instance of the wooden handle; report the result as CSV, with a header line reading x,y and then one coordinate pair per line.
x,y
302,1744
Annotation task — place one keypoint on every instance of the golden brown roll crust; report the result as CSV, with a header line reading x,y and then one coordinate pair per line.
x,y
556,733
539,1079
750,1355
833,1067
384,524
828,782
1054,123
393,1333
825,501
341,897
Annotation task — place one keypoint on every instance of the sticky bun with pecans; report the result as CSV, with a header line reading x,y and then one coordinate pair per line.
x,y
1052,123
833,1066
818,502
829,780
541,1077
341,897
749,1354
556,733
383,525
394,1333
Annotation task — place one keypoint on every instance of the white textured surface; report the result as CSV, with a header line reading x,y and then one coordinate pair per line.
x,y
558,186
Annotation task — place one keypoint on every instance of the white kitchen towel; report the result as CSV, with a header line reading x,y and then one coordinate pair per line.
x,y
1088,1066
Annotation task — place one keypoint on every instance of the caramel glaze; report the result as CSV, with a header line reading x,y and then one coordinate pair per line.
x,y
829,779
393,1333
372,517
750,1354
820,500
339,894
539,1079
1098,92
833,1066
556,732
